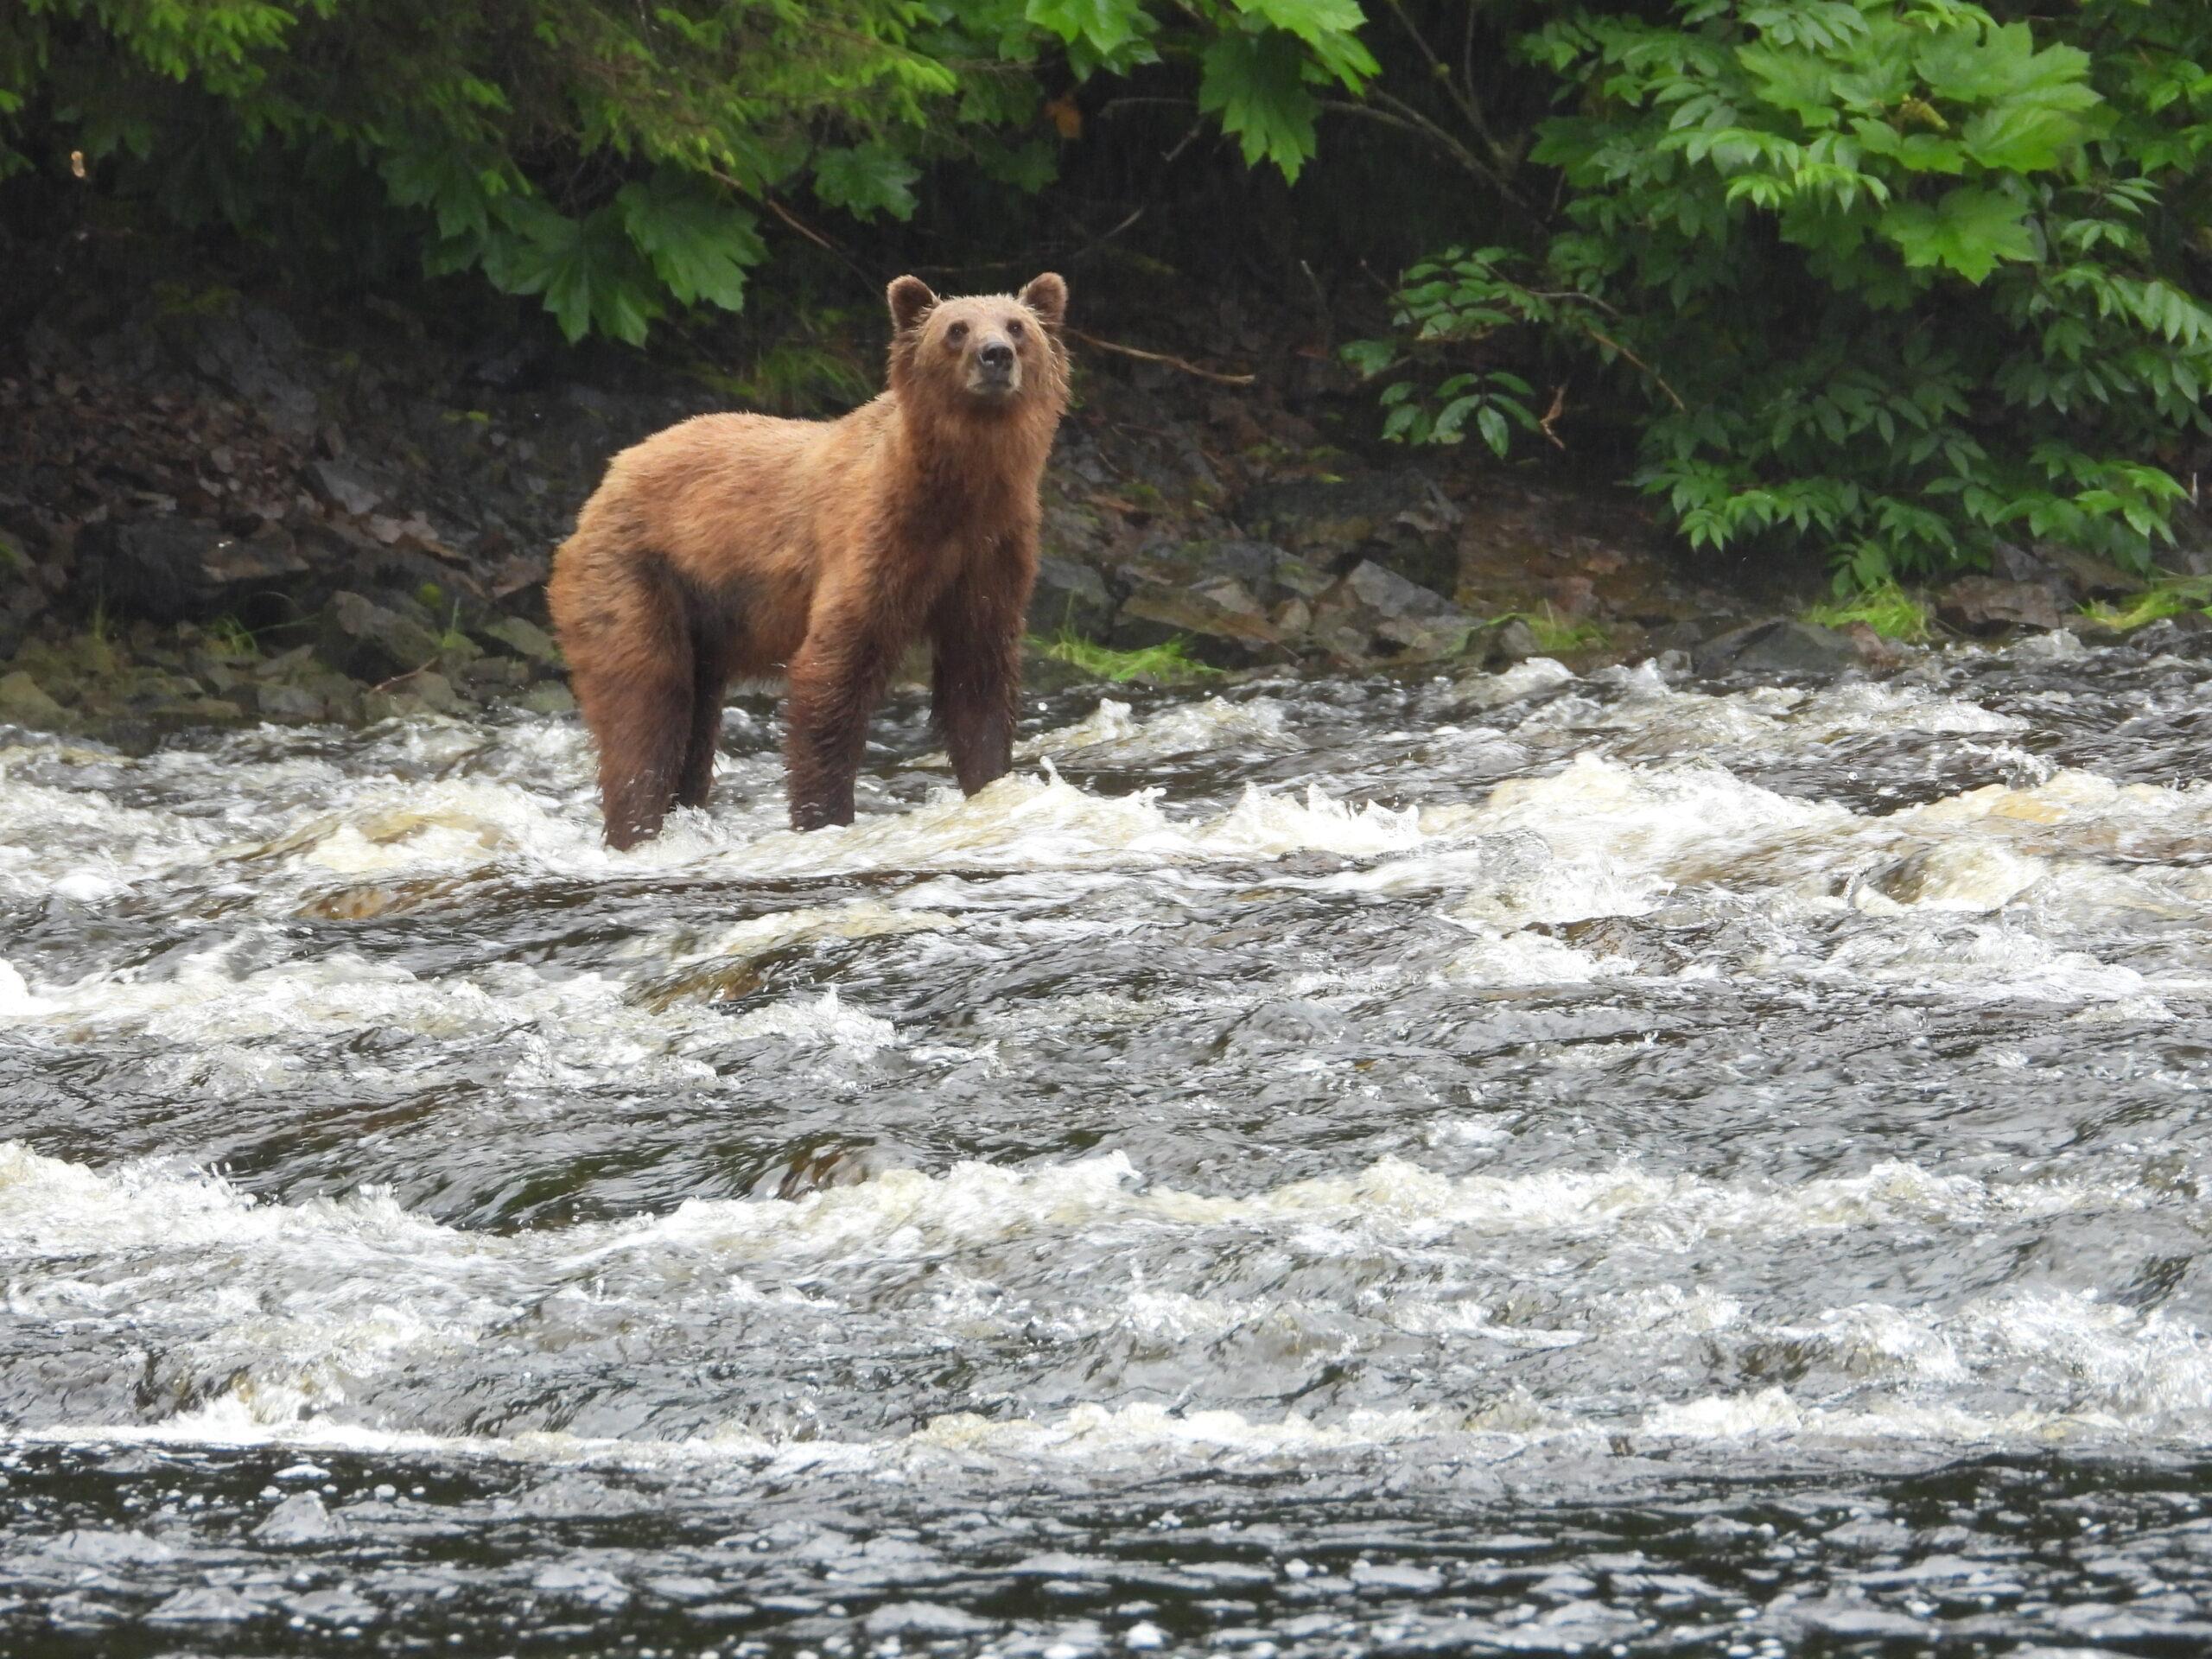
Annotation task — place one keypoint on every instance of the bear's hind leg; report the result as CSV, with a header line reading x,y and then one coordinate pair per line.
x,y
643,724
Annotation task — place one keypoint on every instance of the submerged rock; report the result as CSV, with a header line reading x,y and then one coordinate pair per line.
x,y
300,1519
1779,647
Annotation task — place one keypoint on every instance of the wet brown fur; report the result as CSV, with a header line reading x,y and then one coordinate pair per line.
x,y
741,546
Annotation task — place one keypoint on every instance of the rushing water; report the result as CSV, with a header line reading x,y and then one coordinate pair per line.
x,y
1527,1163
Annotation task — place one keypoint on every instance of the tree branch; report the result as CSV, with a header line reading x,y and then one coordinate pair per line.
x,y
1184,364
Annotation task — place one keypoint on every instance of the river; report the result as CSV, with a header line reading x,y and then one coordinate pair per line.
x,y
1525,1163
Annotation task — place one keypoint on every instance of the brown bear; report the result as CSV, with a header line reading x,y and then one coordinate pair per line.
x,y
741,546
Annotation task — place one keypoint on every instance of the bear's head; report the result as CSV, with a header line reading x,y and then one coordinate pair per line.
x,y
981,354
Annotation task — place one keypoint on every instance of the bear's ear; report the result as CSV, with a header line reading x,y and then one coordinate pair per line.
x,y
1047,295
911,299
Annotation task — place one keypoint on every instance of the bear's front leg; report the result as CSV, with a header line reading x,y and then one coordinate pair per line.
x,y
975,636
837,679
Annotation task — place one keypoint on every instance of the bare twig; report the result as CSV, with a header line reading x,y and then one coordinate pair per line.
x,y
1552,414
1406,119
1660,380
1172,362
1462,96
1320,308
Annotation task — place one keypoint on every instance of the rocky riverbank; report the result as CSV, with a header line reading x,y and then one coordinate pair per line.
x,y
216,509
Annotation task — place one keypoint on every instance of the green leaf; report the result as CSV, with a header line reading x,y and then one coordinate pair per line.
x,y
2022,138
1106,25
1328,28
1256,85
1968,232
698,244
1495,431
586,269
867,180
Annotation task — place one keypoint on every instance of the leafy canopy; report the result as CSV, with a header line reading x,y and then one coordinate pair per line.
x,y
618,158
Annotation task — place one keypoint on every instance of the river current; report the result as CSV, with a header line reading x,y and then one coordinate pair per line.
x,y
1523,1163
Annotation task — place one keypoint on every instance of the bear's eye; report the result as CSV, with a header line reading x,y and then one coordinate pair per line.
x,y
958,332
1013,328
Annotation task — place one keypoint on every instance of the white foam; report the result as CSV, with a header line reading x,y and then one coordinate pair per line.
x,y
1112,735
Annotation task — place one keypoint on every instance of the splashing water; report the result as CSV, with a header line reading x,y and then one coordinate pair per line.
x,y
1538,1163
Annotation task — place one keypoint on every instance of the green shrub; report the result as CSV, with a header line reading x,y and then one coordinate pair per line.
x,y
1904,276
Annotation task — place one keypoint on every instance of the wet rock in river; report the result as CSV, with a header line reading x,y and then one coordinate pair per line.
x,y
1499,645
23,698
289,705
1777,647
1990,605
374,642
300,1519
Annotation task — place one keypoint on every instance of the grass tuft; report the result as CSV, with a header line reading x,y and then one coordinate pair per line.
x,y
229,637
2153,604
1555,633
1168,664
1888,609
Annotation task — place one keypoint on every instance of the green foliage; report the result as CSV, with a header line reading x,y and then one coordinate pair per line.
x,y
1902,276
618,160
1168,664
1885,608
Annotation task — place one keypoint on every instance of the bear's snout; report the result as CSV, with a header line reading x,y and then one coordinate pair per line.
x,y
997,365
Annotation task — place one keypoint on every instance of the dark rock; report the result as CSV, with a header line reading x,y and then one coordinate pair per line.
x,y
1685,635
374,642
288,703
1375,613
257,354
1777,647
1873,651
1400,516
1221,622
175,570
2084,575
346,487
1987,605
1500,645
1072,596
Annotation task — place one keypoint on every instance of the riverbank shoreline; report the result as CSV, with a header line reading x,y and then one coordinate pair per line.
x,y
219,509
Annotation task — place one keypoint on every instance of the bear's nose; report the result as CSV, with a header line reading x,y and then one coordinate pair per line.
x,y
998,357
